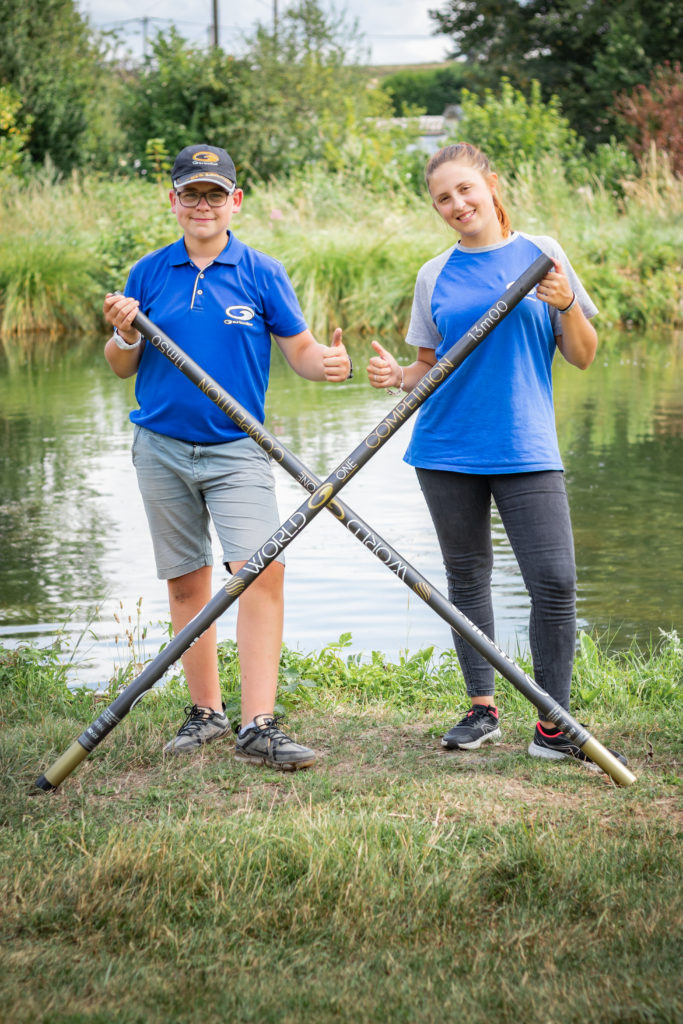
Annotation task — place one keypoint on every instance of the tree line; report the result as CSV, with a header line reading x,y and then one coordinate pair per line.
x,y
290,98
586,52
303,96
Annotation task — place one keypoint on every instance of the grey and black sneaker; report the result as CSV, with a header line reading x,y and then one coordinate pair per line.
x,y
266,743
479,725
202,725
555,746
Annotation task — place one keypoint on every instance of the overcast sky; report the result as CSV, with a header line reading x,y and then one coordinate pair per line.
x,y
395,31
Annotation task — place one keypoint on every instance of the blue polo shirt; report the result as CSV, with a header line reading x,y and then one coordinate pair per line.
x,y
223,317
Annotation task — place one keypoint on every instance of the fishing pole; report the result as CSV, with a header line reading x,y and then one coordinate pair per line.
x,y
322,495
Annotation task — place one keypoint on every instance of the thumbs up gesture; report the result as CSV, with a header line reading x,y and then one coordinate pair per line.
x,y
383,370
336,361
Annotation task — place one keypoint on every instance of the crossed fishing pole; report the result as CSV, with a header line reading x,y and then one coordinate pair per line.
x,y
323,495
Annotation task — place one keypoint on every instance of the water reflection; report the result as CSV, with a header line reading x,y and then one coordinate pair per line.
x,y
76,554
623,447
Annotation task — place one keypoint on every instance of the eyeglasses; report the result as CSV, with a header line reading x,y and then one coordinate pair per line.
x,y
190,199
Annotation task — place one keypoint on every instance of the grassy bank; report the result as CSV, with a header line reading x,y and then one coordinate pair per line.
x,y
391,882
352,254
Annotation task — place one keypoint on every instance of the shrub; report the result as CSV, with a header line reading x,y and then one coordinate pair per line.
x,y
653,113
612,165
13,137
513,130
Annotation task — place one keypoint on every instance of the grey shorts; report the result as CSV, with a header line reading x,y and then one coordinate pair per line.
x,y
185,486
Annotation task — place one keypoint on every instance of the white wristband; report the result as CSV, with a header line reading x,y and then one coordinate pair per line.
x,y
123,344
570,306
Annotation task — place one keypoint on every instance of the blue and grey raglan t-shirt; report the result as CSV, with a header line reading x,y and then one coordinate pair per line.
x,y
495,413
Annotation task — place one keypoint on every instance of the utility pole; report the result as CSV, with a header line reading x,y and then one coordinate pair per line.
x,y
214,32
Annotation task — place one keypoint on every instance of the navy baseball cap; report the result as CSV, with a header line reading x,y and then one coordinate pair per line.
x,y
204,163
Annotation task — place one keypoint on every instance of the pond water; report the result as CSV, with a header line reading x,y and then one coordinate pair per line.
x,y
77,560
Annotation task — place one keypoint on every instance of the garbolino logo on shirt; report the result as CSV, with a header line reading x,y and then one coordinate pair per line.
x,y
239,315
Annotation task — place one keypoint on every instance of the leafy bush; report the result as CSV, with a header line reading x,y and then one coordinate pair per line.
x,y
584,53
297,97
612,165
143,223
653,113
54,61
13,136
178,98
513,130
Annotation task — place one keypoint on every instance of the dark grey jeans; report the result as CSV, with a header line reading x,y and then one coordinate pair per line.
x,y
535,513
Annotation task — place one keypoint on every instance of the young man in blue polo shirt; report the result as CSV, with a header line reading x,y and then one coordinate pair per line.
x,y
221,301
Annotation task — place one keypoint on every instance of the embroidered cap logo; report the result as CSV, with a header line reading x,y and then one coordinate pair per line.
x,y
204,157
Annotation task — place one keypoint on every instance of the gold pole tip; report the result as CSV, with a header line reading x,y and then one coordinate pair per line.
x,y
610,764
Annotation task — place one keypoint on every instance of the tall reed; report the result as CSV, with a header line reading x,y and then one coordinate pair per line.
x,y
352,253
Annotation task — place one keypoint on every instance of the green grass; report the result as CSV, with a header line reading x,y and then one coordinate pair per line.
x,y
393,881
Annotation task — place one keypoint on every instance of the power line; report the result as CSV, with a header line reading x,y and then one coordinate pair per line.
x,y
130,21
215,33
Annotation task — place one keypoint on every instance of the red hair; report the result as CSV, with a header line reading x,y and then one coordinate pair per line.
x,y
463,152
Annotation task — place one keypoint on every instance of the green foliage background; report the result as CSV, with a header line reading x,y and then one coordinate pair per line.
x,y
331,178
298,95
583,53
58,67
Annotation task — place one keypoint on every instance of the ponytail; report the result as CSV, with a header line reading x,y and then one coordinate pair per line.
x,y
502,215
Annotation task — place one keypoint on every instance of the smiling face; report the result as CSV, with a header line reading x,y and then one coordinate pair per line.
x,y
205,227
464,198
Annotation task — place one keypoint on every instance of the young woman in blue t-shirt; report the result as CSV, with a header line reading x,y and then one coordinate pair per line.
x,y
488,432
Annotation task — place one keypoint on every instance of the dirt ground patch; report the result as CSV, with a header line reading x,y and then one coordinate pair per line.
x,y
370,761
